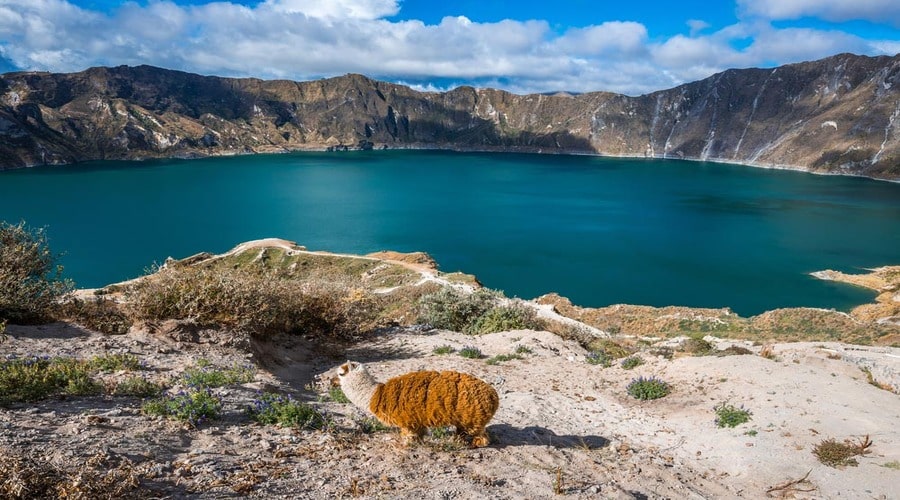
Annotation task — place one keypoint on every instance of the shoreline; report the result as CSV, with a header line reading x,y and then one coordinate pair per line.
x,y
449,148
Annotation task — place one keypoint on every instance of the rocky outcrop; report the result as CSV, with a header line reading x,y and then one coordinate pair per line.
x,y
836,115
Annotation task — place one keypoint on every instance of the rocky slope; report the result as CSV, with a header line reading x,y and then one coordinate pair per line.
x,y
836,115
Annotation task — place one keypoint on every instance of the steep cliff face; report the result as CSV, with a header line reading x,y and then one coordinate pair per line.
x,y
836,115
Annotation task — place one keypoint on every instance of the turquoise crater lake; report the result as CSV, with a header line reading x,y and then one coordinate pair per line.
x,y
598,230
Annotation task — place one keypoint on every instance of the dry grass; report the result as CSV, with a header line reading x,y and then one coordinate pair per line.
x,y
835,454
99,477
259,304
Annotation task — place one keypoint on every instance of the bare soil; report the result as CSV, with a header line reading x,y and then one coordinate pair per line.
x,y
564,427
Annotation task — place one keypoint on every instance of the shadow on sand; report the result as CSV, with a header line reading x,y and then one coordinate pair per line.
x,y
503,435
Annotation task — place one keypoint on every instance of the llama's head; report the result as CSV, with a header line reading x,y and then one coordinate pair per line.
x,y
345,370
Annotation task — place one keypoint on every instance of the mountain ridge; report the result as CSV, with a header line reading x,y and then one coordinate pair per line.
x,y
835,115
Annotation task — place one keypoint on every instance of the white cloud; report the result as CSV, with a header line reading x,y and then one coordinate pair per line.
x,y
304,39
359,9
697,25
879,11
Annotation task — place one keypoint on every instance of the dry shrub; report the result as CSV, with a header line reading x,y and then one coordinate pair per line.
x,y
835,454
101,315
30,280
31,476
259,304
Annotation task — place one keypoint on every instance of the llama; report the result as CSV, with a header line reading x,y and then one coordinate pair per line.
x,y
419,400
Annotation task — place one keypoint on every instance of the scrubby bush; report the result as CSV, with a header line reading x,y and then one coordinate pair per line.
x,y
275,409
506,318
193,407
256,303
728,415
471,352
101,315
30,279
648,388
450,309
33,378
205,374
632,362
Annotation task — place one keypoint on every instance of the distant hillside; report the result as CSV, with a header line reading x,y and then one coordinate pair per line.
x,y
835,115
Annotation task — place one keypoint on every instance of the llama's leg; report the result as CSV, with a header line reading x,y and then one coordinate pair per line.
x,y
479,438
409,436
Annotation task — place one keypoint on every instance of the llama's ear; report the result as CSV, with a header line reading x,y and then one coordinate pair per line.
x,y
347,367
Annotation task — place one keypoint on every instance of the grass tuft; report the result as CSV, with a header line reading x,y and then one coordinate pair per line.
x,y
444,349
204,374
496,360
471,352
632,362
275,409
728,415
192,407
648,388
835,454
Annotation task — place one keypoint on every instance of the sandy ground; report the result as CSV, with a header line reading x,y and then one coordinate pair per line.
x,y
564,426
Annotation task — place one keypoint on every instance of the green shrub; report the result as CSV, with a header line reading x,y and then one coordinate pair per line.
x,y
506,318
697,346
631,362
205,375
34,378
444,349
137,386
730,416
450,309
115,362
496,360
275,409
523,349
337,395
648,388
193,407
599,357
102,315
471,352
31,282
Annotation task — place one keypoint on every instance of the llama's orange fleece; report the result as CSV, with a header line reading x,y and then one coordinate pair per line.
x,y
419,400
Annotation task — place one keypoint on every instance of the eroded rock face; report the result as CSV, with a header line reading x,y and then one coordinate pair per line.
x,y
836,115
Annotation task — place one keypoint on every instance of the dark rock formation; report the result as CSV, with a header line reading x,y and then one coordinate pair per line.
x,y
836,115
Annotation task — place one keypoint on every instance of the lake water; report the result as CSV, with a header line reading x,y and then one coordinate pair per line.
x,y
598,230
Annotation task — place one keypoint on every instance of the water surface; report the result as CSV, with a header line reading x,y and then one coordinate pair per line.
x,y
598,230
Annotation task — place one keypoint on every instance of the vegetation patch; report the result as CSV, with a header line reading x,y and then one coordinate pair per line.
x,y
450,309
471,352
648,388
697,346
496,360
31,281
102,315
34,378
203,374
728,415
444,349
115,362
599,357
506,318
336,394
276,409
138,386
37,476
632,362
256,303
835,454
192,407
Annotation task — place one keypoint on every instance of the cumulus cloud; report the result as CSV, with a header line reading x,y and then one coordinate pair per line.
x,y
306,39
878,11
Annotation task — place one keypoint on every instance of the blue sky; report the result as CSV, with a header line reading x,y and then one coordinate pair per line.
x,y
526,46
